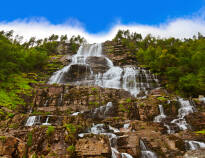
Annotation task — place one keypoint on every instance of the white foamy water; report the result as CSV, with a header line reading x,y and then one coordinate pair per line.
x,y
145,153
46,123
194,145
185,109
161,116
129,78
30,121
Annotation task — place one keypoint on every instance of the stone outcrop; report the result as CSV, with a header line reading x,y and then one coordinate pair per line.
x,y
93,146
12,147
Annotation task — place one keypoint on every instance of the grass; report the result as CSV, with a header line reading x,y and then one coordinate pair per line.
x,y
11,90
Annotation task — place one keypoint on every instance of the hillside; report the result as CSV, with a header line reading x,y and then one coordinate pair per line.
x,y
129,97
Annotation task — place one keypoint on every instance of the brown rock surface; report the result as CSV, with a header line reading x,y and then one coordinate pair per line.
x,y
94,146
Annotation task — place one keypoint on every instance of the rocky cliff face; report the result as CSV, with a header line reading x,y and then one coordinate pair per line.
x,y
89,120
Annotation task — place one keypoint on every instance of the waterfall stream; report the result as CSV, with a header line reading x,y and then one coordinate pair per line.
x,y
185,109
145,153
30,121
194,145
129,78
161,116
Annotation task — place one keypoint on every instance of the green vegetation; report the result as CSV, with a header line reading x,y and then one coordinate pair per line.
x,y
3,139
21,62
161,99
200,132
71,149
30,139
50,130
178,63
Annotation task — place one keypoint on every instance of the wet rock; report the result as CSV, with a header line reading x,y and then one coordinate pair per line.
x,y
98,64
195,154
76,73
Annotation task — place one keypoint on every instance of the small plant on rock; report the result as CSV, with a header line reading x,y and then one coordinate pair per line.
x,y
71,150
50,130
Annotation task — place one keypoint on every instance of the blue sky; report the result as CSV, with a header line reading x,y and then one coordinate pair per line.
x,y
96,18
96,15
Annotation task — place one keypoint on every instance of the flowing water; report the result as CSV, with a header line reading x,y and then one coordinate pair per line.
x,y
30,121
46,123
129,78
161,116
185,109
145,153
194,145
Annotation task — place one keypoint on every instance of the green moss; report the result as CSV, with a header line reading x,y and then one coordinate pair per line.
x,y
50,130
71,149
30,139
128,100
3,139
10,91
70,128
14,125
200,132
161,99
122,108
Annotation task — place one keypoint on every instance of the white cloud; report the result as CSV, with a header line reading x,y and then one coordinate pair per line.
x,y
41,28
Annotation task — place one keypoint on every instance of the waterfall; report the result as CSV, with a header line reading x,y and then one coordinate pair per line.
x,y
145,153
194,145
103,111
185,109
129,78
30,121
126,126
80,58
202,99
101,129
161,116
46,123
46,103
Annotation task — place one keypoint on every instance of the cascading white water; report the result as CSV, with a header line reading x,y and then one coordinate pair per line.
x,y
202,99
194,145
129,78
46,123
30,121
145,153
185,109
101,129
161,116
103,111
80,58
